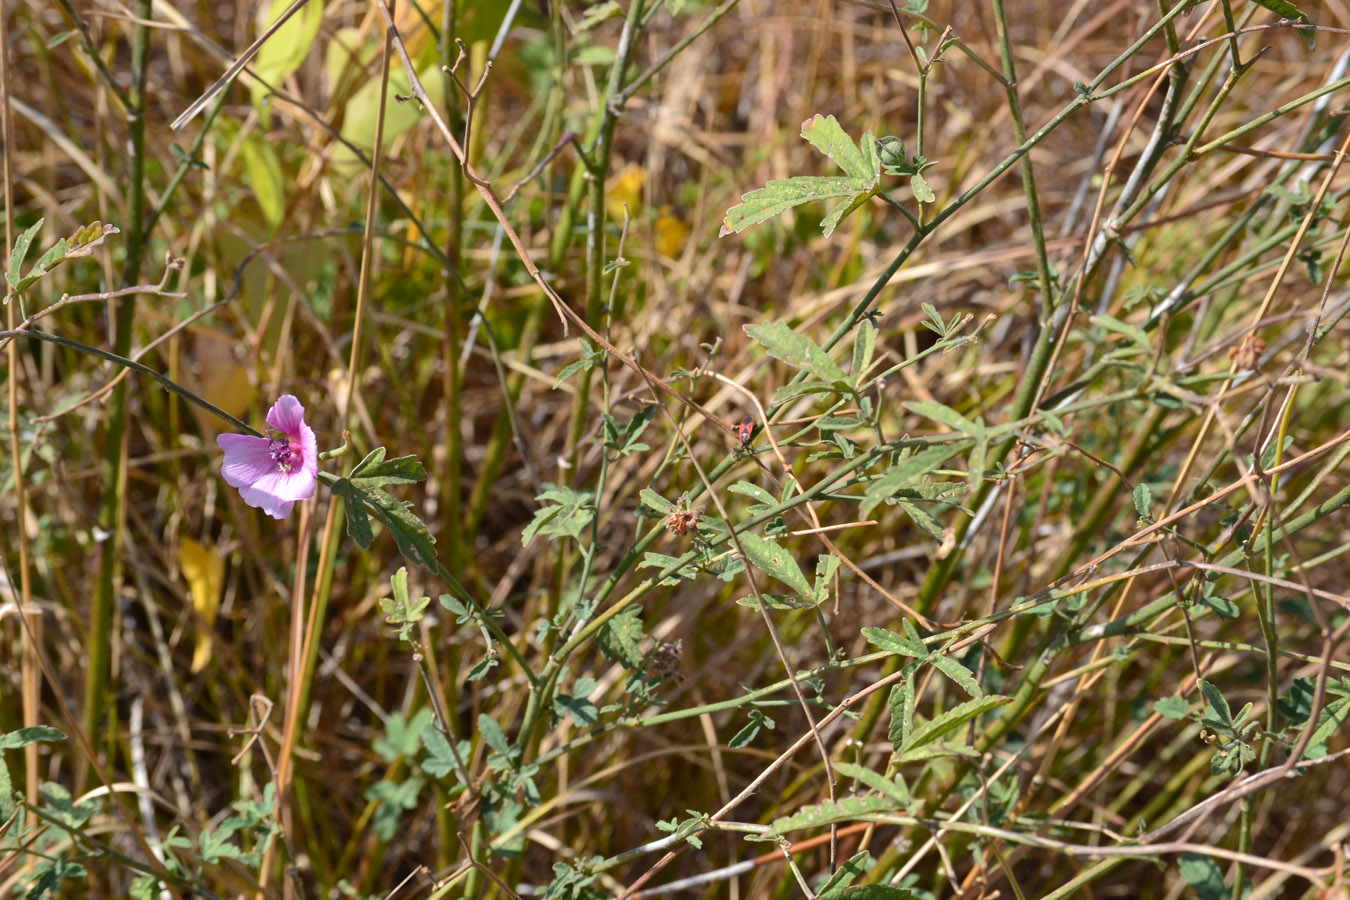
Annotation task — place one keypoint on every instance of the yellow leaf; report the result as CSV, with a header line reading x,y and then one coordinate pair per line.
x,y
262,173
625,187
671,233
204,570
220,377
285,50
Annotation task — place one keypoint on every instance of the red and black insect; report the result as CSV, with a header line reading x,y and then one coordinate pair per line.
x,y
745,431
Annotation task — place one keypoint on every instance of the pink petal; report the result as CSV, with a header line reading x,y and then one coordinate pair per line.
x,y
310,449
287,486
287,415
273,506
247,459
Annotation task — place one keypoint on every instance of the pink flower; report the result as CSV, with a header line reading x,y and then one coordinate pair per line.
x,y
272,473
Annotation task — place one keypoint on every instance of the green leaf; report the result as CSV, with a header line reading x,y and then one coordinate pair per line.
x,y
861,162
20,251
597,14
774,561
1286,10
797,350
652,500
377,472
900,705
1136,335
571,512
22,737
919,187
946,415
1142,498
954,670
619,636
287,48
821,814
856,865
1203,874
394,798
864,347
923,518
1223,713
824,133
895,643
876,781
870,891
264,175
686,572
402,736
493,735
753,491
933,731
1172,707
908,470
1332,718
440,759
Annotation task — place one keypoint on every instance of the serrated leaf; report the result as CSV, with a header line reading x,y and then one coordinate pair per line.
x,y
900,705
922,517
1214,698
441,759
402,736
492,734
855,865
797,350
825,134
20,250
863,163
773,560
906,471
570,513
954,670
619,637
777,602
934,730
686,572
919,187
895,643
1332,717
1142,498
652,500
930,409
377,472
876,781
821,814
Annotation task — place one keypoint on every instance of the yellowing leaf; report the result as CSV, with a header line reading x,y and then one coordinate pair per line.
x,y
625,187
220,377
204,570
671,234
262,173
285,50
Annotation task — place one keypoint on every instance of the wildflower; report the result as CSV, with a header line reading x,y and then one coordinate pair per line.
x,y
274,472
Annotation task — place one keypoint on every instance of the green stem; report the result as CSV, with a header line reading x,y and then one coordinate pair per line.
x,y
98,699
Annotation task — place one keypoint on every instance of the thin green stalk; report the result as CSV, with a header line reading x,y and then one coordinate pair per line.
x,y
98,692
595,217
452,519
